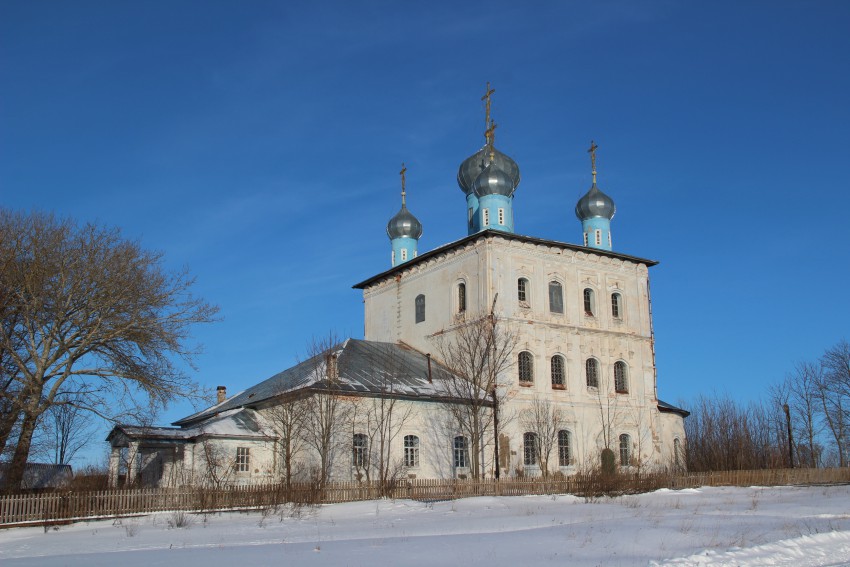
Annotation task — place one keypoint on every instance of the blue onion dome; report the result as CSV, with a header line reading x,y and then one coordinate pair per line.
x,y
404,224
493,181
472,167
595,203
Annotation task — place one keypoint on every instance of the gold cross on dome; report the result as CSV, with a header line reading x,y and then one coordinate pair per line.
x,y
490,134
402,172
592,152
487,103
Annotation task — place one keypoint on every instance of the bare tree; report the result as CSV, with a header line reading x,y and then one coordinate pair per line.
x,y
544,420
384,415
833,395
91,316
288,421
326,412
800,391
477,353
68,431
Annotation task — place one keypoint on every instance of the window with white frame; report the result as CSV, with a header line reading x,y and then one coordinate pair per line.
x,y
530,449
589,302
522,291
585,239
609,240
598,237
392,257
556,297
243,459
485,217
411,451
360,450
557,368
420,308
461,452
625,450
591,370
616,306
501,216
403,254
565,457
621,378
525,364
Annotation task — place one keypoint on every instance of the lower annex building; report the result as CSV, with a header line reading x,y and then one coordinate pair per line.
x,y
497,353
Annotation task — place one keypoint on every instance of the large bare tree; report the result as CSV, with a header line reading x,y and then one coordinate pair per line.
x,y
477,352
88,316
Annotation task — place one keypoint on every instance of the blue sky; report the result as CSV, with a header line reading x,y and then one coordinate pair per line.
x,y
259,144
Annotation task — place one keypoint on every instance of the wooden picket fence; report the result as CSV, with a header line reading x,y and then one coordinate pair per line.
x,y
62,507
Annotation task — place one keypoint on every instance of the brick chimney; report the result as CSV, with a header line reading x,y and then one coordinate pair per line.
x,y
221,393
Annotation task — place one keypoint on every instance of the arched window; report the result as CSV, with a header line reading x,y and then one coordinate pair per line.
x,y
621,381
411,451
461,297
530,449
558,380
678,461
525,362
522,291
461,452
360,448
564,448
625,450
616,306
420,308
589,302
591,370
556,297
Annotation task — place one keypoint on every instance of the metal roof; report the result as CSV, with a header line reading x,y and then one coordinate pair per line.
x,y
664,406
362,368
507,236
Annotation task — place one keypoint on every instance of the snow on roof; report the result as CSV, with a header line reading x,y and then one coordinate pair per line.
x,y
363,368
238,422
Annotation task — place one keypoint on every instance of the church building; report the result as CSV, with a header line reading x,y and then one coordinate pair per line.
x,y
498,354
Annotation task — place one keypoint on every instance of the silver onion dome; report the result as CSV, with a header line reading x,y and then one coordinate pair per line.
x,y
472,167
404,224
595,203
493,181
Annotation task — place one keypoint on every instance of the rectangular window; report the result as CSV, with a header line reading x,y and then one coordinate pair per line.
x,y
522,290
556,297
243,462
585,239
411,451
469,220
403,254
359,456
609,240
461,453
501,216
598,237
485,216
564,456
393,258
420,308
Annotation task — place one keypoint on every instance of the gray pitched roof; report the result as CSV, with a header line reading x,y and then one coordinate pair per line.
x,y
670,408
363,368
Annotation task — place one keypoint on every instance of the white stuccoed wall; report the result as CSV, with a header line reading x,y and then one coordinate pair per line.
x,y
492,265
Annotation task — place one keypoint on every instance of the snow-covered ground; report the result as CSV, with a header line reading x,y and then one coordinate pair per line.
x,y
710,526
